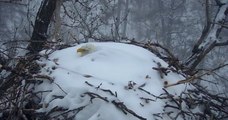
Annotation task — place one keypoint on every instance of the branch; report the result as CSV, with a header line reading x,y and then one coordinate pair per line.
x,y
222,43
192,78
219,3
200,57
77,110
205,31
17,2
210,39
124,109
94,95
223,25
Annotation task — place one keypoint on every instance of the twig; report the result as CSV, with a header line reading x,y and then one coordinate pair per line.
x,y
105,90
68,111
94,95
126,110
60,88
194,77
151,94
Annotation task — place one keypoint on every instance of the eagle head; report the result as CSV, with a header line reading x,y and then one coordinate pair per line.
x,y
86,49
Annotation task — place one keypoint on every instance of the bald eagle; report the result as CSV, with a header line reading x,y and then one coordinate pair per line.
x,y
86,49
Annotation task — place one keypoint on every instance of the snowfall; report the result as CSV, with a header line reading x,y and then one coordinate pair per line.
x,y
113,81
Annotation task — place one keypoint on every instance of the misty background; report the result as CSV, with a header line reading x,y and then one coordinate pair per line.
x,y
176,24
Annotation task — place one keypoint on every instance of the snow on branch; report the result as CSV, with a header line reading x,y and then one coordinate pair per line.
x,y
210,35
197,77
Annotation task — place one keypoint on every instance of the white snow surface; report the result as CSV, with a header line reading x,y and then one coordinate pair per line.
x,y
115,72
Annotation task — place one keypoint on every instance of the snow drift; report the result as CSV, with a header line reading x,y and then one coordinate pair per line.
x,y
114,81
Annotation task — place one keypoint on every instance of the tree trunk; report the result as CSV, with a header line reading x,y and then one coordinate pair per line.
x,y
117,21
126,12
37,41
43,18
57,25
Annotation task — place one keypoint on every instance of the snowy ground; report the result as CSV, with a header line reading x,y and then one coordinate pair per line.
x,y
113,81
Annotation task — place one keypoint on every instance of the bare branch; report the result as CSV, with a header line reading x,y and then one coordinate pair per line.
x,y
124,109
205,30
219,3
209,42
222,43
194,77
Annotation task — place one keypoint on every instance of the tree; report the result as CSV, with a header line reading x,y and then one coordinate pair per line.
x,y
13,81
209,38
43,18
167,28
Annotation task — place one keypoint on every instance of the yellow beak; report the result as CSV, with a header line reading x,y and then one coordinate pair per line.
x,y
81,50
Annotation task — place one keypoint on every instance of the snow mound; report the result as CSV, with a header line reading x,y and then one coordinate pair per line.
x,y
114,81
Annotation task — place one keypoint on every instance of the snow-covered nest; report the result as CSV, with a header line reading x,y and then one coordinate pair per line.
x,y
106,81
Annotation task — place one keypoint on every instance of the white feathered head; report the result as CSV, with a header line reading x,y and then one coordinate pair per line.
x,y
86,49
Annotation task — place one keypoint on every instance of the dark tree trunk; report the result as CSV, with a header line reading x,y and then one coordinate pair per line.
x,y
43,18
39,35
18,74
